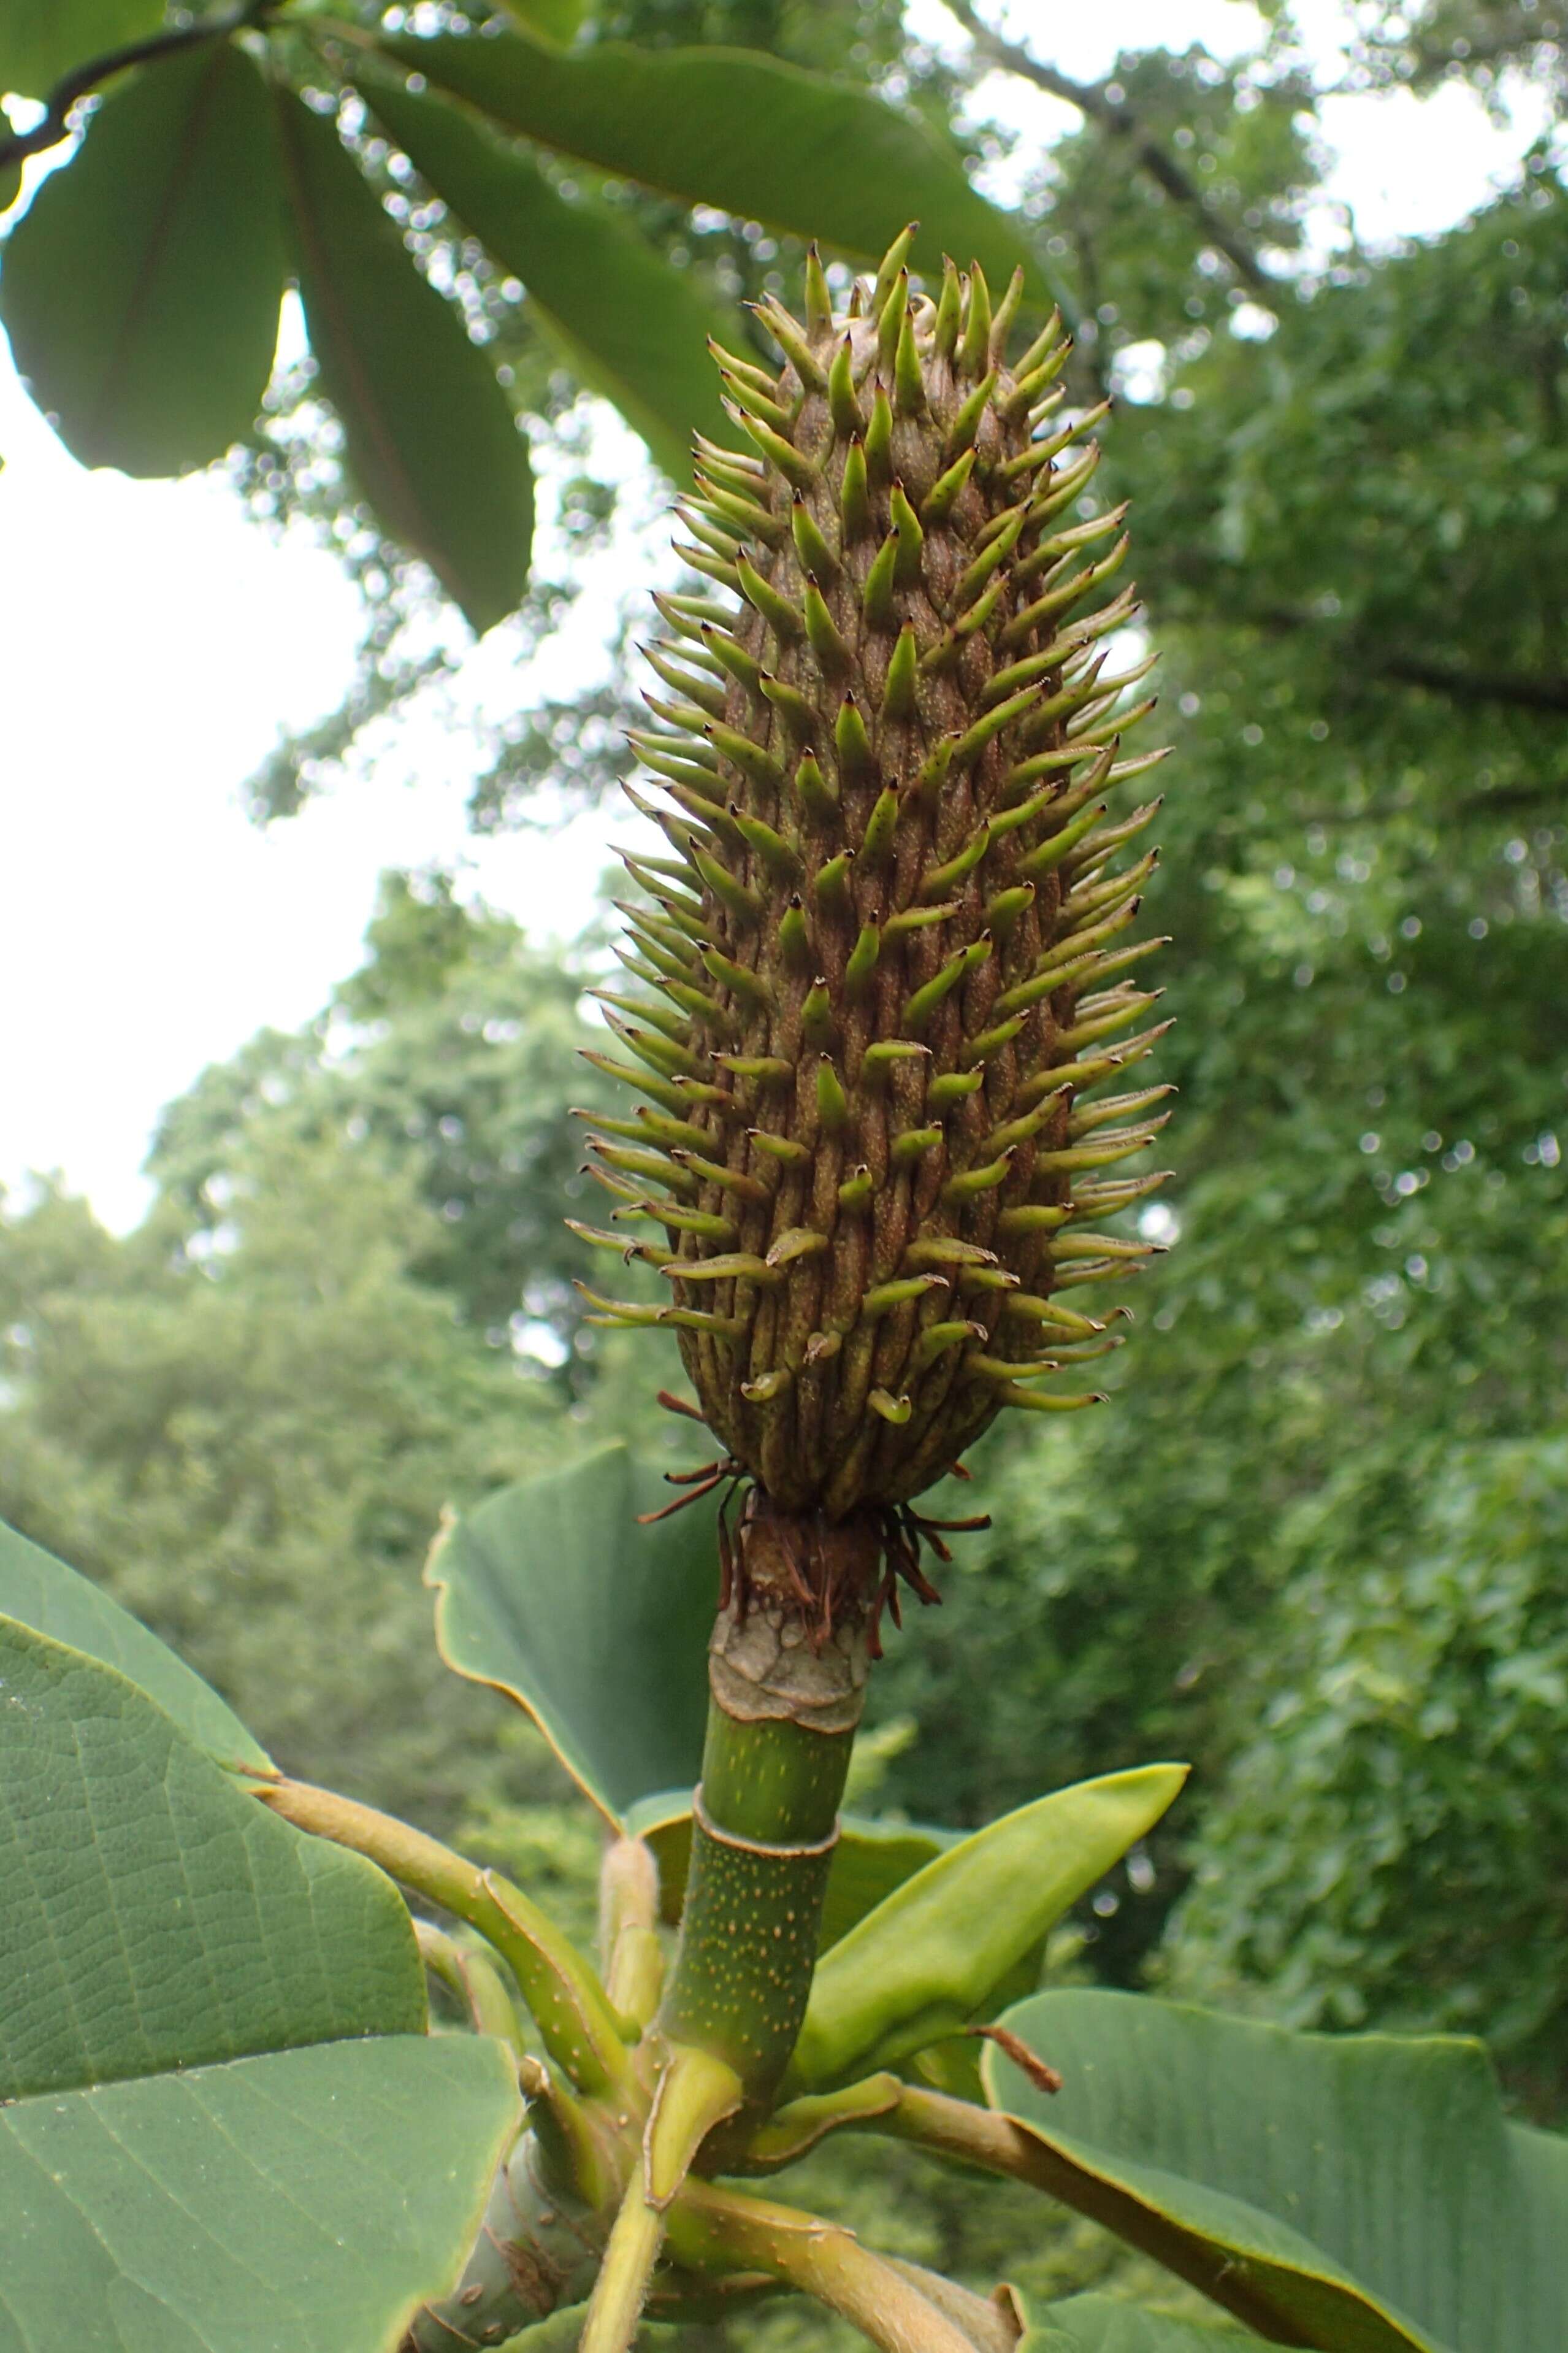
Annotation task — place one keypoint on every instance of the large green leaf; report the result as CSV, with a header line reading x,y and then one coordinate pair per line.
x,y
1362,2193
141,287
553,1593
632,327
222,2126
431,439
41,40
40,1591
153,1915
312,2199
928,1958
1105,2324
728,127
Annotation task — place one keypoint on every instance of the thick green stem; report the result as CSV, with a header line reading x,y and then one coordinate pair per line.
x,y
753,1906
538,2250
786,1679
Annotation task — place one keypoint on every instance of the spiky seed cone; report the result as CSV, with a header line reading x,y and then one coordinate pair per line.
x,y
889,943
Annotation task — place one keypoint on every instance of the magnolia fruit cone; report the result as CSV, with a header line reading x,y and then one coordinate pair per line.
x,y
885,960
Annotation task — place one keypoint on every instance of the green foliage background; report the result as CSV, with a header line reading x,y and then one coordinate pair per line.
x,y
1317,1545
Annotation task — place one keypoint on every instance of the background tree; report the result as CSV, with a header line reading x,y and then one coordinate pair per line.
x,y
1315,1542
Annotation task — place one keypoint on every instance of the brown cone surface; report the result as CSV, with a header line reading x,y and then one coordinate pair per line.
x,y
889,938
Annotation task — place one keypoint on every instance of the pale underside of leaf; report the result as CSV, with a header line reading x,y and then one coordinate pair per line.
x,y
630,326
308,2200
152,1916
430,436
40,1591
760,138
142,286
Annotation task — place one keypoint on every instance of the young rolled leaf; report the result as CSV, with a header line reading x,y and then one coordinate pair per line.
x,y
40,1592
923,1964
431,439
632,327
728,127
553,1593
1361,2193
141,285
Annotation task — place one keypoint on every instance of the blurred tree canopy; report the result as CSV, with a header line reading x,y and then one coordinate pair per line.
x,y
1316,1544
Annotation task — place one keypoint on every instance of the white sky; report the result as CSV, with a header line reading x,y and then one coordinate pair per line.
x,y
153,643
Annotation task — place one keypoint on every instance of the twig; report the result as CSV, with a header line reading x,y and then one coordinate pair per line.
x,y
1117,118
80,83
998,2144
1472,686
818,2259
569,2005
1515,690
1043,2078
621,2289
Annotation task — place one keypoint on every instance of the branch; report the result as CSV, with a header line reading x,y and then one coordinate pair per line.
x,y
1119,120
1515,690
1553,795
1385,59
988,2322
980,2137
1500,800
817,2258
1520,693
569,2006
80,84
1471,685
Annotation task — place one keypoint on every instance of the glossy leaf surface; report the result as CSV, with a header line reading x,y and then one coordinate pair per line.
x,y
39,44
926,1960
310,2199
1361,2193
727,126
152,1915
40,1591
632,327
553,1593
140,288
431,439
1106,2324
